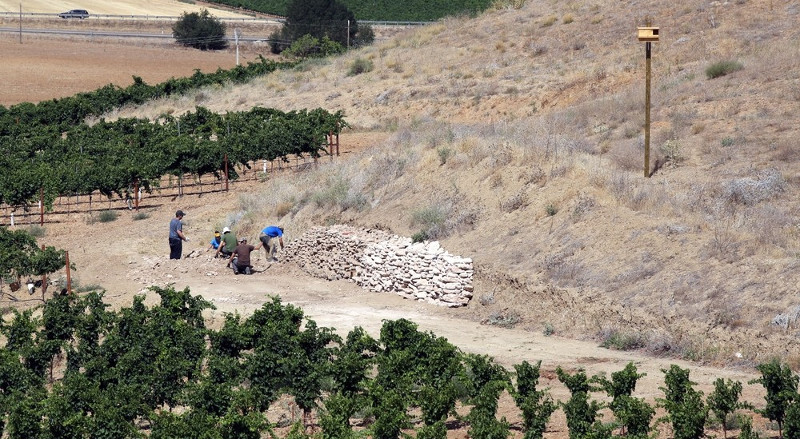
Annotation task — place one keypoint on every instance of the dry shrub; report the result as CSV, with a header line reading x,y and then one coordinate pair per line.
x,y
283,208
627,156
450,213
535,175
517,201
771,225
751,190
501,155
785,151
583,206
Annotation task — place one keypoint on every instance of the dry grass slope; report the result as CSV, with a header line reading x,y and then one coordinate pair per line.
x,y
516,138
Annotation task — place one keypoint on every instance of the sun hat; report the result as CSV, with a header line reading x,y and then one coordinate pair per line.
x,y
242,239
216,232
226,230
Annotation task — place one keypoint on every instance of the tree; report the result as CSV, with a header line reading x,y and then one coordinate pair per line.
x,y
320,20
686,411
724,400
781,387
200,30
582,414
633,414
536,405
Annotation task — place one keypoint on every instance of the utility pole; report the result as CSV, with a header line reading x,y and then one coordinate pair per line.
x,y
647,34
20,23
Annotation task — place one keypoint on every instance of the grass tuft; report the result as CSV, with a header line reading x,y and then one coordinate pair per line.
x,y
36,231
107,216
722,68
359,66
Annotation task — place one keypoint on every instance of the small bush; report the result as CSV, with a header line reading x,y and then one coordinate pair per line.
x,y
359,66
622,341
107,216
722,68
283,208
551,209
444,154
672,151
568,19
138,216
548,330
431,218
549,21
749,191
517,201
419,237
503,319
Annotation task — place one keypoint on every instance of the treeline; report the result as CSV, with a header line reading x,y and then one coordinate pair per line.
x,y
60,114
77,369
112,157
378,10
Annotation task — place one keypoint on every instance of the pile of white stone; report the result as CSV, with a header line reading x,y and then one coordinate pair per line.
x,y
383,262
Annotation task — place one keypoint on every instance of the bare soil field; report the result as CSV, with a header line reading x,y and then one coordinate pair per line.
x,y
42,68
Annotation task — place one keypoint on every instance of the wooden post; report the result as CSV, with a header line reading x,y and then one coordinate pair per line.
x,y
647,113
136,194
226,172
69,280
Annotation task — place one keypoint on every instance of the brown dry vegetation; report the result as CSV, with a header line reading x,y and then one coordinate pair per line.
x,y
528,133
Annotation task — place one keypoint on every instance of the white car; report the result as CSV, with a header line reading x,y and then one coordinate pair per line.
x,y
75,13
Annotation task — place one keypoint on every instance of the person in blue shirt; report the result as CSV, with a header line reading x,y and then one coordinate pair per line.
x,y
215,241
268,238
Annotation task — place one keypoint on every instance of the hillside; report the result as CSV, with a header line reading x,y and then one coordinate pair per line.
x,y
516,139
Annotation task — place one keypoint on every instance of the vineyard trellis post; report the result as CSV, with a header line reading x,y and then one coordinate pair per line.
x,y
226,172
136,194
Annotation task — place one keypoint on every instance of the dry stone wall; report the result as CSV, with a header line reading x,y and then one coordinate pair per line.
x,y
382,262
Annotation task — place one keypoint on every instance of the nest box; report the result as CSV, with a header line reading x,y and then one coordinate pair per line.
x,y
647,33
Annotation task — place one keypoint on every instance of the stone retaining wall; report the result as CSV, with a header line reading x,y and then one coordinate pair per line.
x,y
383,262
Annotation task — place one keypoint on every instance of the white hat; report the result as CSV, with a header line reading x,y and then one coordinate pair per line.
x,y
226,230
